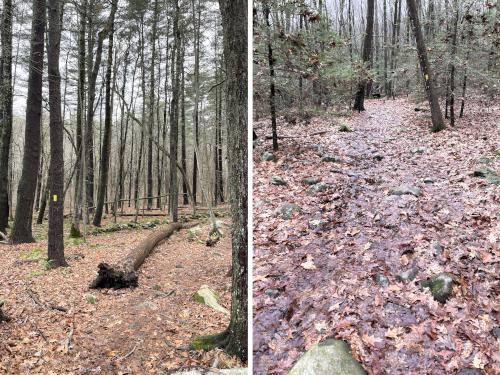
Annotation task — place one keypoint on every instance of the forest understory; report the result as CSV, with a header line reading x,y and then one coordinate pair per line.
x,y
347,224
60,326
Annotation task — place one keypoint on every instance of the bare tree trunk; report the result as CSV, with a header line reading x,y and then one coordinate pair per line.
x,y
5,111
56,170
359,102
196,117
106,143
174,117
270,58
21,232
452,67
234,338
432,96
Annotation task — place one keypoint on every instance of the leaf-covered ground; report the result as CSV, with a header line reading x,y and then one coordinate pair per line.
x,y
314,273
141,331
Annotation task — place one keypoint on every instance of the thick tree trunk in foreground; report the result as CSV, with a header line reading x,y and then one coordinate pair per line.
x,y
5,110
21,232
123,273
234,17
56,169
106,146
359,102
432,96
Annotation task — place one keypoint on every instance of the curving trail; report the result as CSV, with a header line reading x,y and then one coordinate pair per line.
x,y
315,273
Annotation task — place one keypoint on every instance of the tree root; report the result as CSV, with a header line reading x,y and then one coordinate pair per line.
x,y
110,277
219,340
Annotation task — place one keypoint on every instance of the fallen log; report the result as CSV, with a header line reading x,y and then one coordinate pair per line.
x,y
123,274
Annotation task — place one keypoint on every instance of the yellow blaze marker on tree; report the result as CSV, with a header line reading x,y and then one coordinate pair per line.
x,y
54,197
426,77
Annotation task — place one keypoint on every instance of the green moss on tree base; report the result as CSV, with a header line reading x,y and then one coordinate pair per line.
x,y
74,232
210,342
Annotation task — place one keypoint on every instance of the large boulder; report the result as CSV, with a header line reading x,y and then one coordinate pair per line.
x,y
331,357
441,286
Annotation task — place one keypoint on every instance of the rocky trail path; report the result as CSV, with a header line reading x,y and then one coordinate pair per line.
x,y
348,224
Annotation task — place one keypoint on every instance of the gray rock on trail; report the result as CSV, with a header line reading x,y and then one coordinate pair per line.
x,y
409,274
496,332
287,210
418,150
378,157
428,180
491,176
441,286
437,249
209,297
311,180
268,156
469,371
381,279
331,357
405,190
329,159
278,181
318,188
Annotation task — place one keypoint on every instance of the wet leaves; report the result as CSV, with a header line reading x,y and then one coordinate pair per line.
x,y
450,225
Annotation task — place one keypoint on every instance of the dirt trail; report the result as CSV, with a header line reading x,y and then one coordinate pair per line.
x,y
315,272
141,331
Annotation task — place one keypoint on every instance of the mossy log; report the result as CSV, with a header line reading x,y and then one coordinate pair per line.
x,y
123,274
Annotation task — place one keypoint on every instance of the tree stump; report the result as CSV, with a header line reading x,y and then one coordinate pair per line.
x,y
123,274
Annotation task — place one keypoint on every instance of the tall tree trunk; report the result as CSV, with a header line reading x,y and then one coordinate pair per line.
x,y
196,118
56,169
43,202
270,58
452,65
92,71
386,51
39,179
21,232
183,139
151,107
174,117
464,86
123,131
5,111
80,108
108,118
234,16
432,96
359,102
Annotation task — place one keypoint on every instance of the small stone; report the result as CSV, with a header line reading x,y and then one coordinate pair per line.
x,y
441,286
437,249
268,156
496,332
418,150
469,371
318,188
311,180
482,172
428,180
179,266
353,174
272,292
287,210
378,157
329,159
315,223
210,297
278,181
409,274
381,279
405,190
